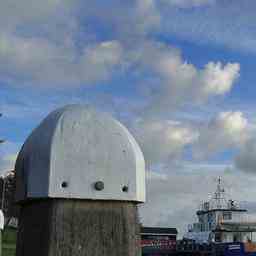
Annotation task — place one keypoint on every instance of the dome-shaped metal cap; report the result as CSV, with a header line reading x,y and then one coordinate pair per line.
x,y
77,152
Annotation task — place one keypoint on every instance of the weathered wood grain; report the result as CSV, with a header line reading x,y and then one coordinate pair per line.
x,y
62,227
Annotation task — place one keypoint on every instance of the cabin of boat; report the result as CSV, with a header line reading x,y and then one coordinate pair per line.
x,y
221,221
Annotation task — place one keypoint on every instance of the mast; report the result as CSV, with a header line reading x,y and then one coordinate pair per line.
x,y
219,195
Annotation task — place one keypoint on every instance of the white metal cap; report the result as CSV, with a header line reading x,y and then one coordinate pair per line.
x,y
77,152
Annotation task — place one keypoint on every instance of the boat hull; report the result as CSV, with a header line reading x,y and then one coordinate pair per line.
x,y
235,249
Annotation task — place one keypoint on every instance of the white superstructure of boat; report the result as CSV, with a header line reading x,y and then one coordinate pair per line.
x,y
221,221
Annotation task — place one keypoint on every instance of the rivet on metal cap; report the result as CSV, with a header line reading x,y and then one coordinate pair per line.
x,y
64,184
125,188
99,185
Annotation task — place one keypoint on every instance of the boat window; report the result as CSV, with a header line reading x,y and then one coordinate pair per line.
x,y
209,217
218,237
227,215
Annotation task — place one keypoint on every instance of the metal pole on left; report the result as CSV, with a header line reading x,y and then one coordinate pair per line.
x,y
2,205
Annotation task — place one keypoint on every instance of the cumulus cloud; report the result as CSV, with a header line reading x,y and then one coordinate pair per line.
x,y
163,141
35,60
228,130
45,43
169,194
217,78
41,61
214,25
61,43
246,159
7,163
147,14
168,142
189,3
15,13
8,154
175,81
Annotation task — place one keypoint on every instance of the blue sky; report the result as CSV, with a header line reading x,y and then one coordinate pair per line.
x,y
178,73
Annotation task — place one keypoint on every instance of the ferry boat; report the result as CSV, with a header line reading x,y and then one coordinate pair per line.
x,y
225,225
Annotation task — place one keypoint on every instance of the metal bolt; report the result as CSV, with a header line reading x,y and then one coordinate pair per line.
x,y
99,185
64,184
125,188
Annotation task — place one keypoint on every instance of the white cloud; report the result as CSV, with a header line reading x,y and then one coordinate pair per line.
x,y
228,130
246,159
212,23
14,13
177,82
147,15
169,142
189,3
8,154
151,175
218,78
7,163
35,60
56,42
163,141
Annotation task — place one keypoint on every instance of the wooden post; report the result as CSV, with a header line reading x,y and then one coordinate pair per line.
x,y
81,207
62,227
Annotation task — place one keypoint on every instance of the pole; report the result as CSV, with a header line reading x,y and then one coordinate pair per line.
x,y
63,227
3,194
1,230
2,204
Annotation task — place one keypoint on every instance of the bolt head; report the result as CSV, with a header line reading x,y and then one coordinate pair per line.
x,y
99,185
64,184
125,188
